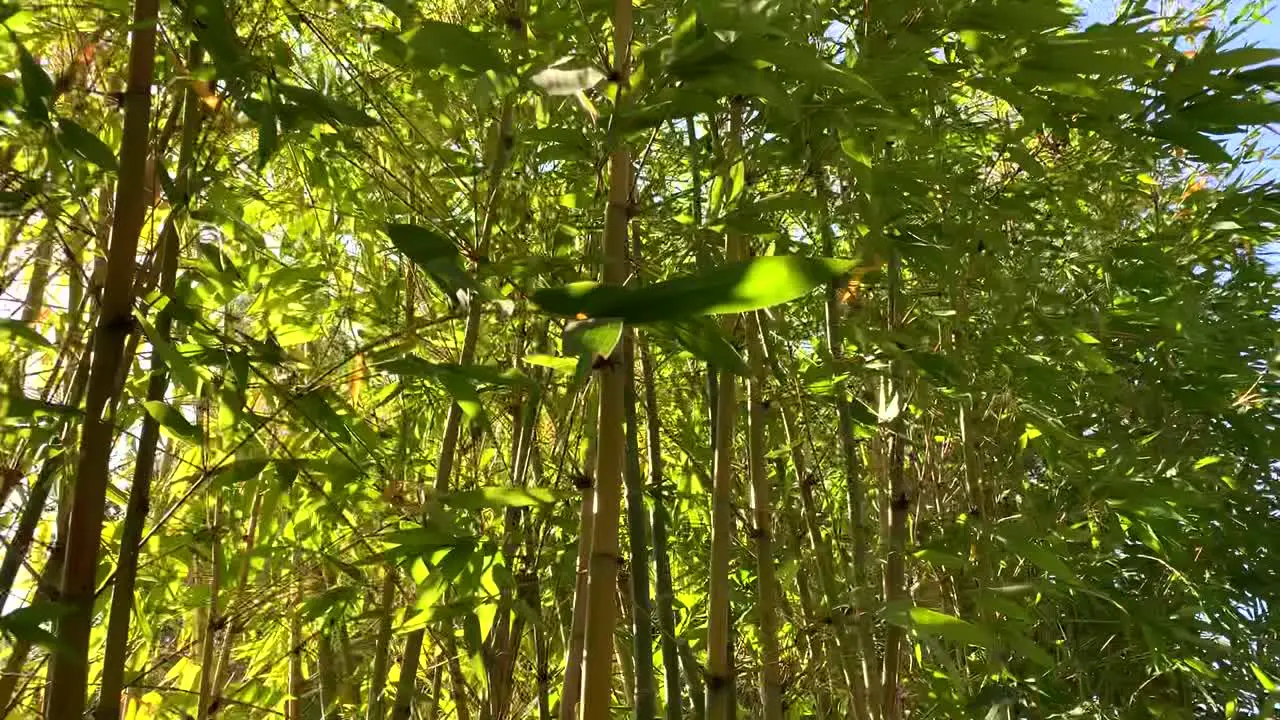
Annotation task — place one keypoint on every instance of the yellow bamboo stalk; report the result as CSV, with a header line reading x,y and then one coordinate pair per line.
x,y
602,572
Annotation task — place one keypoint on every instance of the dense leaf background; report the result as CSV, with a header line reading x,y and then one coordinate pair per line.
x,y
989,277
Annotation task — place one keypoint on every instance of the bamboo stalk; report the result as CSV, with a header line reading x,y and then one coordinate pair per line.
x,y
665,594
458,683
327,671
436,678
209,641
122,595
541,653
694,674
816,543
720,702
645,707
69,671
293,706
242,582
382,646
895,590
866,683
762,516
601,612
408,676
572,689
46,589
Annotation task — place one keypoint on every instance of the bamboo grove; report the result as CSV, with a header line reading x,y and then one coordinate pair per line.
x,y
581,359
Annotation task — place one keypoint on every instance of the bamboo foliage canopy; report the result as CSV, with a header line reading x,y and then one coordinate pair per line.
x,y
583,359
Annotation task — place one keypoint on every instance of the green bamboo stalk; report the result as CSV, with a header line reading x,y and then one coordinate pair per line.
x,y
762,529
209,640
403,707
382,646
46,590
571,692
866,684
645,707
815,542
895,590
293,706
665,594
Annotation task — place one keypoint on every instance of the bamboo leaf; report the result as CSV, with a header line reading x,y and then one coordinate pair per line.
x,y
85,144
37,86
211,23
433,44
27,624
171,419
704,340
18,405
592,337
180,368
738,287
18,330
435,254
937,624
329,109
496,497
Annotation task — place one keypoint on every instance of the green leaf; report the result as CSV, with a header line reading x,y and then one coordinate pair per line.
x,y
433,44
435,254
239,471
180,369
268,134
737,287
1039,556
1267,683
1238,57
704,339
863,413
26,623
18,405
37,86
212,25
331,110
496,497
558,365
595,337
1027,648
401,8
940,368
800,62
936,624
18,330
1008,17
331,600
414,366
1207,461
941,559
85,144
462,382
1181,134
14,202
171,419
1225,113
